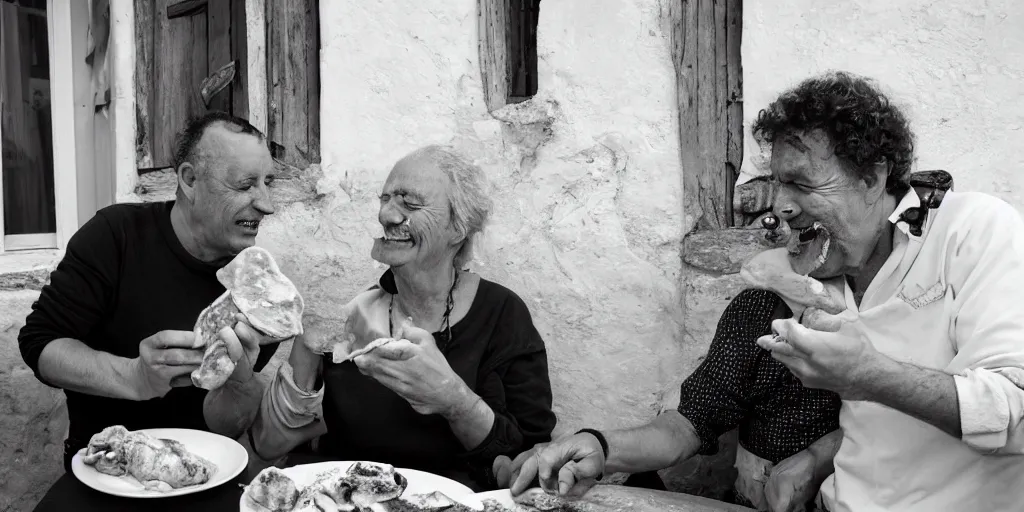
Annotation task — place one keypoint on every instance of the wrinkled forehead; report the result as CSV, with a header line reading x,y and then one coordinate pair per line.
x,y
797,153
418,176
232,155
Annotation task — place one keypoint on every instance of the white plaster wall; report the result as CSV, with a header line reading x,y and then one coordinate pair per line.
x,y
589,216
956,65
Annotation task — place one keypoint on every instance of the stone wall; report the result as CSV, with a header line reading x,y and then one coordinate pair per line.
x,y
33,418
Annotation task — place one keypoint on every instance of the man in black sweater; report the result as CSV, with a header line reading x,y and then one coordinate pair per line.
x,y
113,328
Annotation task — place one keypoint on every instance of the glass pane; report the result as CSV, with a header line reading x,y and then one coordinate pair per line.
x,y
26,129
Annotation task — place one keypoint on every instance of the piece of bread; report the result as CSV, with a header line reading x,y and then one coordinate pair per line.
x,y
256,288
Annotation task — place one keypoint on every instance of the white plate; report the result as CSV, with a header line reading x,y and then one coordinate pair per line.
x,y
420,482
229,456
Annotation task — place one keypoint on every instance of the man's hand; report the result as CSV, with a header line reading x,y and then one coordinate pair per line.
x,y
792,483
507,470
567,466
243,347
415,368
842,362
165,357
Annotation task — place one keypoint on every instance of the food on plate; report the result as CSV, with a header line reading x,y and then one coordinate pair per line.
x,y
256,288
158,464
340,355
359,487
375,487
272,491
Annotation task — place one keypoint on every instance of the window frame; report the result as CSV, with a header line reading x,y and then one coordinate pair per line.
x,y
62,123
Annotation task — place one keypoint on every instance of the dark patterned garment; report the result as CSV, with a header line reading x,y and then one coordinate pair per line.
x,y
739,384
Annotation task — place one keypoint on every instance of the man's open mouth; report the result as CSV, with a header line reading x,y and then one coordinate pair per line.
x,y
809,249
249,224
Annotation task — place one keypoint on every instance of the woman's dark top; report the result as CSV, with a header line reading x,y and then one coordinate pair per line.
x,y
500,355
740,384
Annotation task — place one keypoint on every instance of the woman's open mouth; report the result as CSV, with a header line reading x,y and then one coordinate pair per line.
x,y
396,236
809,249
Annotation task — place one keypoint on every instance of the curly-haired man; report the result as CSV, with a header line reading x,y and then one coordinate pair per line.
x,y
929,363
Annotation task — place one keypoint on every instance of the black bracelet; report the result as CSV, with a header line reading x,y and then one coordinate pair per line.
x,y
600,439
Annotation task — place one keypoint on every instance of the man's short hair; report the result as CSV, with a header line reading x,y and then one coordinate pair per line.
x,y
864,126
188,139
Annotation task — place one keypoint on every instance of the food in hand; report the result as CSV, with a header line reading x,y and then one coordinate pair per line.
x,y
340,355
771,270
256,288
158,464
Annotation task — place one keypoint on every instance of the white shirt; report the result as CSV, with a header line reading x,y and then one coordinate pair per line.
x,y
950,300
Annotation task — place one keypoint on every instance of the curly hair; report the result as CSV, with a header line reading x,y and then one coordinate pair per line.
x,y
863,125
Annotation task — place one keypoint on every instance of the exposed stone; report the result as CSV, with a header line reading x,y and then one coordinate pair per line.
x,y
28,280
157,186
752,199
723,251
33,418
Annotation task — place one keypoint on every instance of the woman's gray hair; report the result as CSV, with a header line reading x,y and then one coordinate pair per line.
x,y
471,203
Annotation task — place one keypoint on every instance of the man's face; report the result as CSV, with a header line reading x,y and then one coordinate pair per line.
x,y
231,194
416,216
815,189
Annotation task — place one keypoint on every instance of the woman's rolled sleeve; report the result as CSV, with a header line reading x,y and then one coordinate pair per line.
x,y
288,416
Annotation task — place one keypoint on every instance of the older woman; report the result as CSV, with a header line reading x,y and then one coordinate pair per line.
x,y
467,378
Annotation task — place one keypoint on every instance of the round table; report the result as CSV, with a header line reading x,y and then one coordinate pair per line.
x,y
68,493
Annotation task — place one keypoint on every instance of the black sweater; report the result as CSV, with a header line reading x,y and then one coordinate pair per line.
x,y
499,354
124,277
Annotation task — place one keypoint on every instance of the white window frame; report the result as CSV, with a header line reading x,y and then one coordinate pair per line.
x,y
62,121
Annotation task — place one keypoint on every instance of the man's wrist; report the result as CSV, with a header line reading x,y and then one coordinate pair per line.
x,y
875,383
132,378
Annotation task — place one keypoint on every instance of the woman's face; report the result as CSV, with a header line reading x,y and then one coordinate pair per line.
x,y
816,191
416,216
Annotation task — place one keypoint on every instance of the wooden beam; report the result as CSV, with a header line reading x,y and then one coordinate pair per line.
x,y
180,55
219,55
493,51
734,104
144,29
313,80
293,74
701,49
239,54
295,103
276,55
186,8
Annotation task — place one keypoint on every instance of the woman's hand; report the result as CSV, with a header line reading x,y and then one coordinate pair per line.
x,y
415,368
